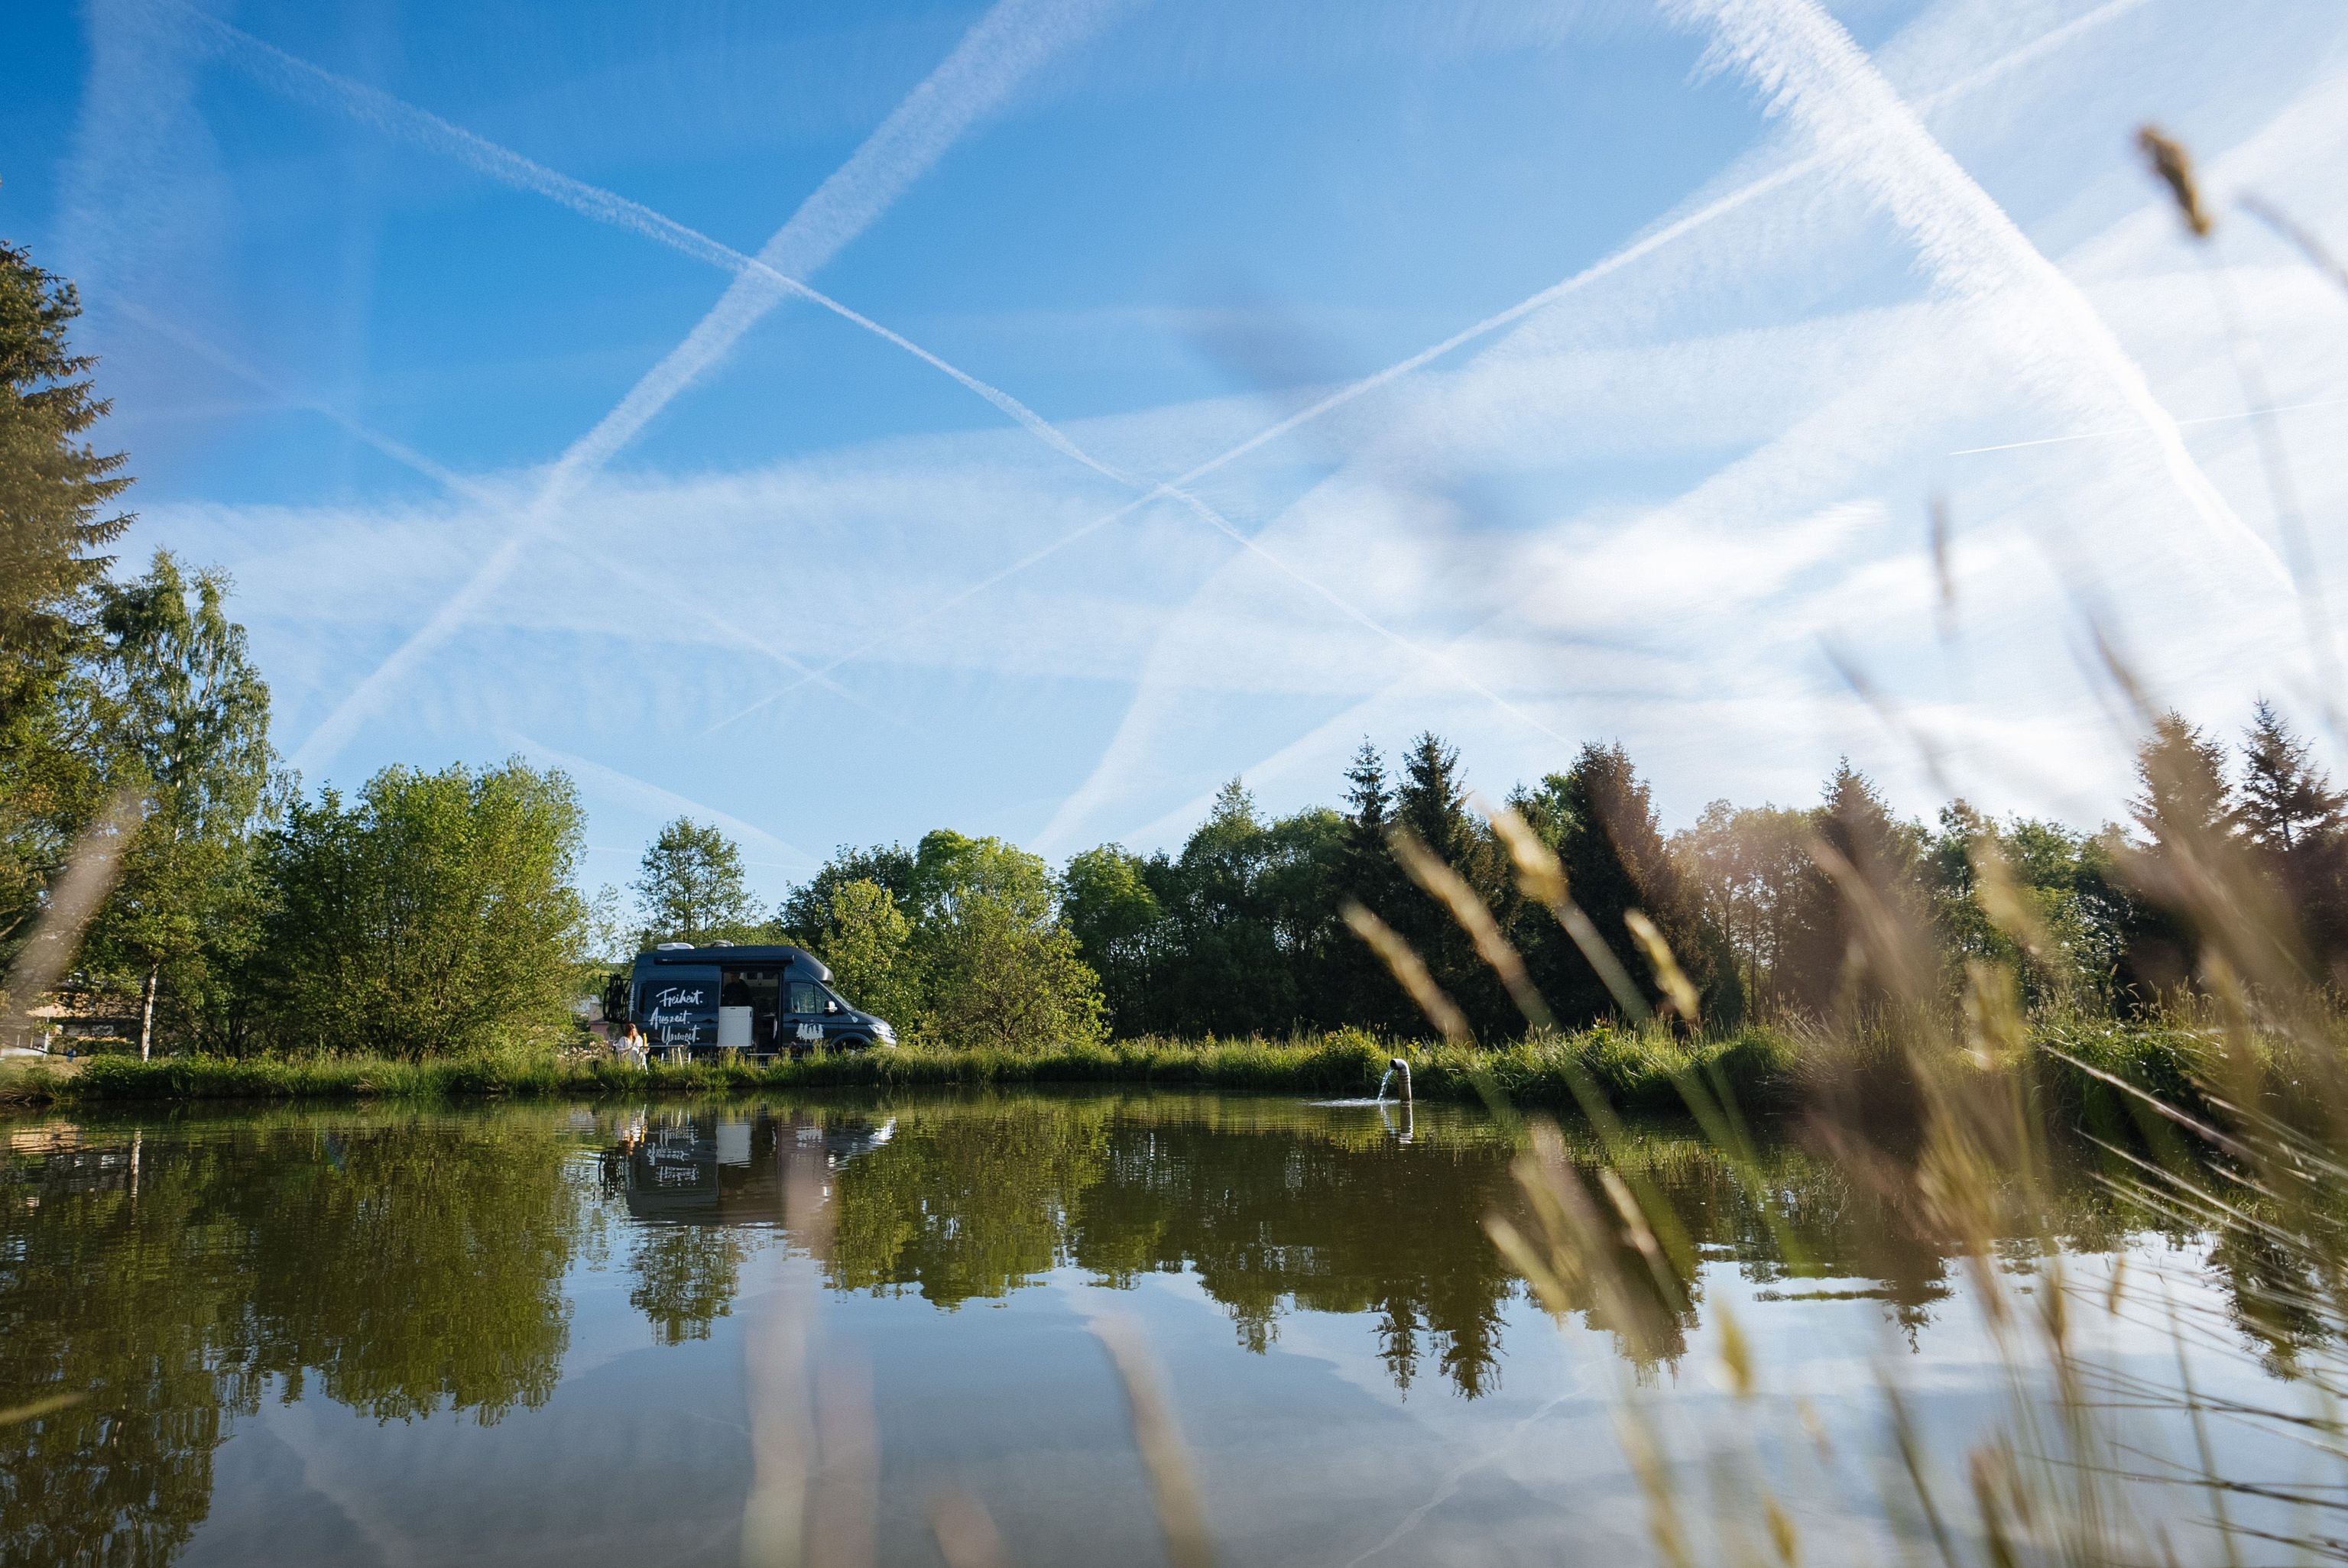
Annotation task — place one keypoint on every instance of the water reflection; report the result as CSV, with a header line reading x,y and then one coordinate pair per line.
x,y
178,1277
162,1280
1274,1207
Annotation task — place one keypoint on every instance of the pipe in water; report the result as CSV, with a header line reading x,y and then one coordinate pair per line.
x,y
1398,1066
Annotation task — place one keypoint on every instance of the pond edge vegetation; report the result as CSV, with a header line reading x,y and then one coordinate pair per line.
x,y
1759,1068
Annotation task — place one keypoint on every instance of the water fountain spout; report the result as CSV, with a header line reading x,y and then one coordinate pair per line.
x,y
1392,1067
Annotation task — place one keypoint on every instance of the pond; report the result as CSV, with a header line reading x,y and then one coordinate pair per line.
x,y
587,1333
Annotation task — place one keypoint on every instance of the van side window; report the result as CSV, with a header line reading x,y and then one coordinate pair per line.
x,y
806,996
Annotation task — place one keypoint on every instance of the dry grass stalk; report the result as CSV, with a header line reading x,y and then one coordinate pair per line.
x,y
1452,891
1543,879
2175,166
842,1516
785,1446
34,1410
1943,572
965,1532
2299,235
1679,991
1410,970
1181,1513
89,877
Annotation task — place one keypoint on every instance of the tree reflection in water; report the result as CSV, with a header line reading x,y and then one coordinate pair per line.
x,y
415,1265
410,1267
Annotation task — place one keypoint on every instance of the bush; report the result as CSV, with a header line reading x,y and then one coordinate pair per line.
x,y
434,913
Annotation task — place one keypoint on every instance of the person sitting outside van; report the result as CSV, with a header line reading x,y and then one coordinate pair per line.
x,y
631,1050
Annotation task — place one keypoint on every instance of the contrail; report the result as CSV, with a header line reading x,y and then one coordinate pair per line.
x,y
455,484
1809,67
1827,155
299,78
1637,250
648,792
311,83
993,57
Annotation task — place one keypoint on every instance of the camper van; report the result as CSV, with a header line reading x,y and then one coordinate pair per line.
x,y
758,1000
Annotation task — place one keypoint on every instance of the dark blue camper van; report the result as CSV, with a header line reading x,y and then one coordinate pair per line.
x,y
759,1001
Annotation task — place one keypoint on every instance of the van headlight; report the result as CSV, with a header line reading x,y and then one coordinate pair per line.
x,y
883,1032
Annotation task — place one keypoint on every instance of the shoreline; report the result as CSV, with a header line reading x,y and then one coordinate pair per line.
x,y
1762,1070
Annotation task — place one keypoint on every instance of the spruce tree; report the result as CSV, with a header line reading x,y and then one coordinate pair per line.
x,y
1827,963
2183,804
1369,808
2285,800
1361,990
1612,847
54,492
2297,825
54,486
1433,801
2189,827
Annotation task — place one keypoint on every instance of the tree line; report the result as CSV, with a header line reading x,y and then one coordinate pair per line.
x,y
1242,931
431,911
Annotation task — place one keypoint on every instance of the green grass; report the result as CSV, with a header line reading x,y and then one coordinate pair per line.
x,y
1763,1070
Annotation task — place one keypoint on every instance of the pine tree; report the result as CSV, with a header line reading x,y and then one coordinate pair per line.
x,y
2285,800
1433,801
54,488
1825,950
1369,806
2182,802
54,494
2189,827
1360,989
2298,825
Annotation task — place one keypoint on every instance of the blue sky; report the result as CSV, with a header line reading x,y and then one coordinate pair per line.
x,y
478,343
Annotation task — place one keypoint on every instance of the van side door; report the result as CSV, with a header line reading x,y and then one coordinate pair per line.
x,y
680,1006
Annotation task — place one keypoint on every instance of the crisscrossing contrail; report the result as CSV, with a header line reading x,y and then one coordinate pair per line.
x,y
998,53
303,80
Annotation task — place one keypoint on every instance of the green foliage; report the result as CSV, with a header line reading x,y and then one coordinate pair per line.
x,y
434,914
807,912
997,968
54,491
1762,1069
1119,926
871,951
690,887
967,947
52,782
188,729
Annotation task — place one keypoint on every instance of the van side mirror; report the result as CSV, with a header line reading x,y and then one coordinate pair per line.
x,y
831,1007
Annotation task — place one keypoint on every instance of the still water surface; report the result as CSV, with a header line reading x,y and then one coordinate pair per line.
x,y
535,1334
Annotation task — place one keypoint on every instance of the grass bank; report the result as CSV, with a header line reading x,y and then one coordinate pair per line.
x,y
1763,1069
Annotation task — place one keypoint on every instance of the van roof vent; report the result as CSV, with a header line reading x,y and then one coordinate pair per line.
x,y
720,942
673,947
